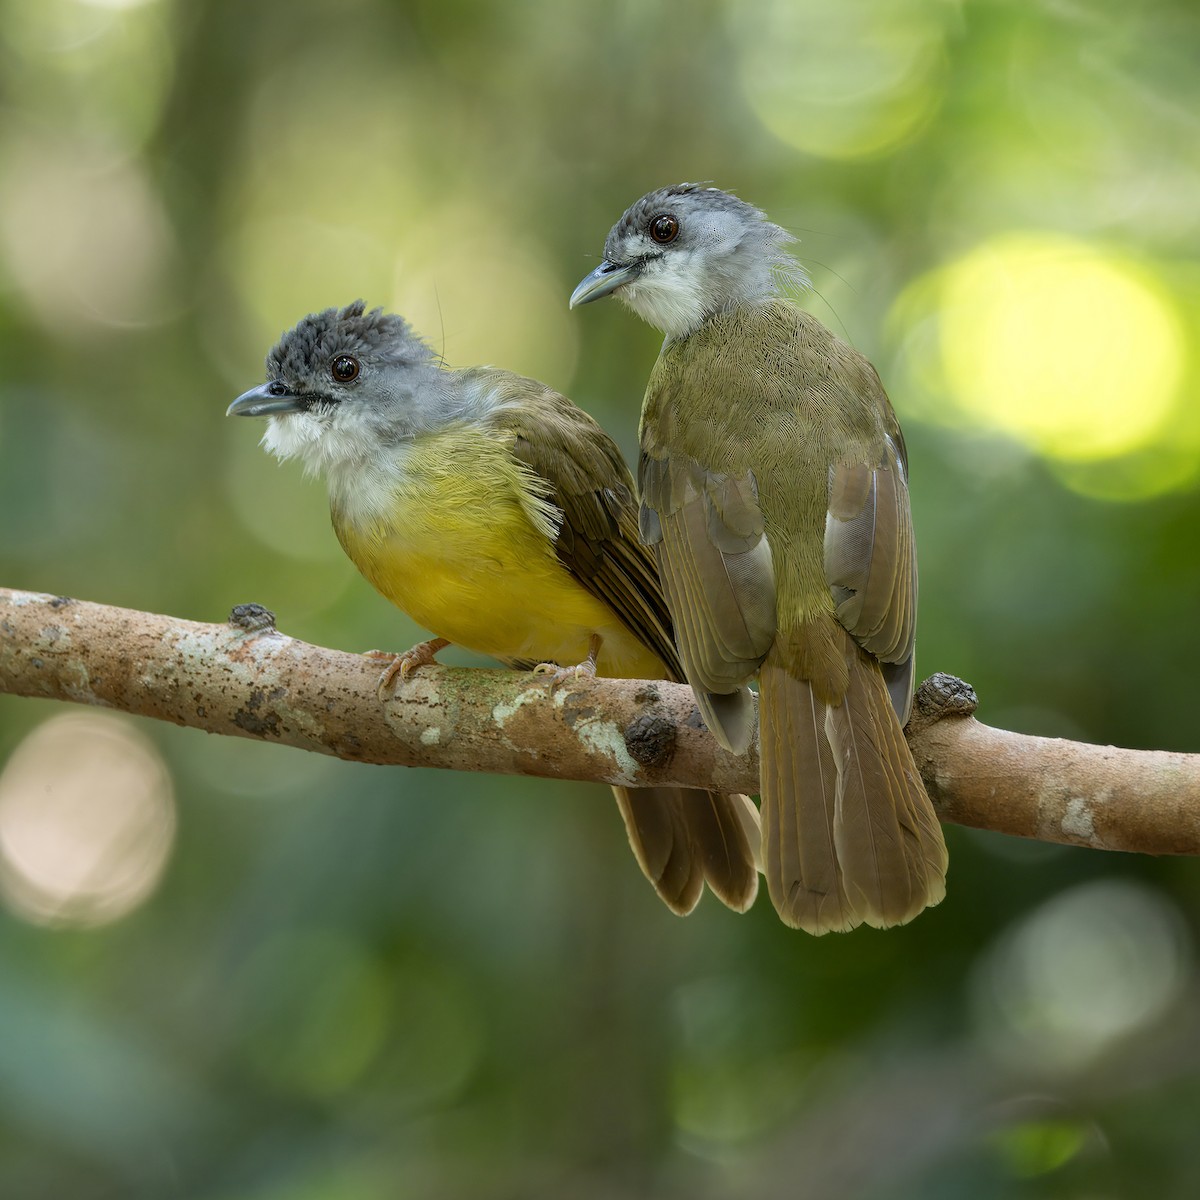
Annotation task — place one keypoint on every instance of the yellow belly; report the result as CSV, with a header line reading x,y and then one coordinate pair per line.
x,y
464,548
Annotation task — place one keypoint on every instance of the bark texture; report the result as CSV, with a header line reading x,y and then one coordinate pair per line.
x,y
246,679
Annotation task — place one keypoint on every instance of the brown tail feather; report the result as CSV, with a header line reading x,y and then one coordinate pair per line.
x,y
799,796
727,836
849,835
889,842
682,837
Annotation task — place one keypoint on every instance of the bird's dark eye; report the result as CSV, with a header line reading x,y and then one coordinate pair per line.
x,y
344,368
664,228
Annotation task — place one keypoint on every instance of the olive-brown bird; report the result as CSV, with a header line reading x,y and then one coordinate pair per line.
x,y
774,484
502,518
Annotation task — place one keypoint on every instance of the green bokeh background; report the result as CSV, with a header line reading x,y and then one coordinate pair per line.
x,y
353,983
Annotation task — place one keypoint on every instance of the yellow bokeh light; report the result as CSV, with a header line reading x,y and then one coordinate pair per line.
x,y
1070,351
840,80
87,820
1078,354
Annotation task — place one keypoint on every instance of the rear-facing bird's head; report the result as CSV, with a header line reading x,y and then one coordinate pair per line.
x,y
682,254
340,383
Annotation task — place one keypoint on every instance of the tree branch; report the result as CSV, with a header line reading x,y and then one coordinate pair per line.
x,y
248,680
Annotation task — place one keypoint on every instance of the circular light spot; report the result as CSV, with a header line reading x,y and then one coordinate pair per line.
x,y
85,237
1087,968
1078,355
87,820
1061,346
1074,353
840,80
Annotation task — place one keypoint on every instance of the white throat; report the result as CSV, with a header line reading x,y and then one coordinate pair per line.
x,y
669,301
360,475
319,440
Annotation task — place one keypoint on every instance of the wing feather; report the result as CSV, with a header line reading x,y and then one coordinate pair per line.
x,y
680,837
587,480
870,563
719,581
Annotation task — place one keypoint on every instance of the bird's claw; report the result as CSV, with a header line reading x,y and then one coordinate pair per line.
x,y
560,675
423,654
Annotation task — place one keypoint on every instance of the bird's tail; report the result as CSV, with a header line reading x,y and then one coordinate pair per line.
x,y
849,834
683,837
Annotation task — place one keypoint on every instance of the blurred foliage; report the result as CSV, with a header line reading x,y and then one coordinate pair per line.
x,y
235,972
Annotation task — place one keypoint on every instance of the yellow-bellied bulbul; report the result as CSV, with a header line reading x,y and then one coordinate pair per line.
x,y
502,518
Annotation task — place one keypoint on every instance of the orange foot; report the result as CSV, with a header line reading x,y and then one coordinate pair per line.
x,y
421,655
585,670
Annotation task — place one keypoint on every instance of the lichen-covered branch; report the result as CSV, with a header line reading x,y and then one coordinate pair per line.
x,y
246,679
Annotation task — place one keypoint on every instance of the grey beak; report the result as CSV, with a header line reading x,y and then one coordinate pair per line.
x,y
607,277
266,400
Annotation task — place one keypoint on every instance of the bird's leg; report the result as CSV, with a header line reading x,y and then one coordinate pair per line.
x,y
584,670
421,655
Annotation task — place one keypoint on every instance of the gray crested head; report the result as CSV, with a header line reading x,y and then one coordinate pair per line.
x,y
343,382
315,341
682,254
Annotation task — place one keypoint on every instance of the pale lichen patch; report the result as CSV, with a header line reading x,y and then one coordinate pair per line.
x,y
505,711
1078,821
605,737
21,599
